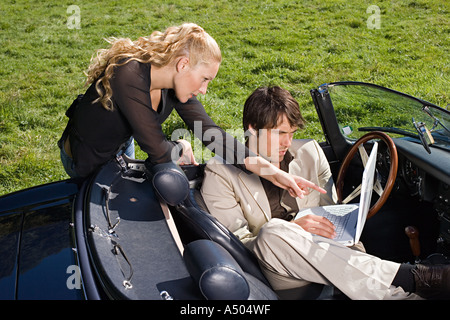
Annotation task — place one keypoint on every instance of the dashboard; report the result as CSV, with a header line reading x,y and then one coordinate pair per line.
x,y
426,176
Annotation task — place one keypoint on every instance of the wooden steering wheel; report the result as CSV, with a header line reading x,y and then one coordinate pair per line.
x,y
382,192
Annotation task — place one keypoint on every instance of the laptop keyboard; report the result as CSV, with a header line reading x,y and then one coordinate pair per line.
x,y
339,218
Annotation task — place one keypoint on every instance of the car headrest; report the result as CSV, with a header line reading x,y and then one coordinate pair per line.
x,y
170,182
217,274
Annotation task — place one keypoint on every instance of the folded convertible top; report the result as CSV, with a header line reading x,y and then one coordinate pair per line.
x,y
131,246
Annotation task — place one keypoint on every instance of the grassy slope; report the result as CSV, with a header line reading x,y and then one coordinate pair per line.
x,y
296,44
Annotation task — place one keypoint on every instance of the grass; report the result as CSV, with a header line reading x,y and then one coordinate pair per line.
x,y
295,44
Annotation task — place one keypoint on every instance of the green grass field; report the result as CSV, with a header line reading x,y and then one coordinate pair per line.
x,y
46,47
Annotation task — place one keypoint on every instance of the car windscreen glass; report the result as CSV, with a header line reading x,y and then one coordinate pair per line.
x,y
361,107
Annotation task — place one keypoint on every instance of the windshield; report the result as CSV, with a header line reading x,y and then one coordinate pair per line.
x,y
363,107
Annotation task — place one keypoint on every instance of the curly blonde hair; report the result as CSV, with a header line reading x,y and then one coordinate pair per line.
x,y
159,49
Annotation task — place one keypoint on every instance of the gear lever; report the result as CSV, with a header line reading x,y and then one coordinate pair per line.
x,y
413,235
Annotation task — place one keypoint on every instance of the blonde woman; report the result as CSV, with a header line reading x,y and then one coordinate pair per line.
x,y
133,88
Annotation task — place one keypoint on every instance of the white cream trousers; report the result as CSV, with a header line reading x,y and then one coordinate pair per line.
x,y
291,257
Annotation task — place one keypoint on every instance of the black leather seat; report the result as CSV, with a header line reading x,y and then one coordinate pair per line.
x,y
220,264
202,225
219,276
195,223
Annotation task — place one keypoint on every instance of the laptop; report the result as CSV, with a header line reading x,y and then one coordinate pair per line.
x,y
349,219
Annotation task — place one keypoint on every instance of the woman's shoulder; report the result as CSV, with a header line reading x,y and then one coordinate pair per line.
x,y
135,66
132,73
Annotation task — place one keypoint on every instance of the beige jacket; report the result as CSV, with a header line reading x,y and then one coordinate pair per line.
x,y
238,199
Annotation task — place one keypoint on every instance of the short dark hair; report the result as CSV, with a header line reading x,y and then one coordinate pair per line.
x,y
264,107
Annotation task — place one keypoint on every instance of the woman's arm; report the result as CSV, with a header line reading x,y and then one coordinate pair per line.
x,y
234,152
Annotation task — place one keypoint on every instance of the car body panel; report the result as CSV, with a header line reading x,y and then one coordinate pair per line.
x,y
36,243
9,236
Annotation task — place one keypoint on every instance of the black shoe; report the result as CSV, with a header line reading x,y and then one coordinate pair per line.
x,y
432,281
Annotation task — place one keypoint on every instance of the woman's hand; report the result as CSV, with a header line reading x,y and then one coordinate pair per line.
x,y
297,186
317,225
188,155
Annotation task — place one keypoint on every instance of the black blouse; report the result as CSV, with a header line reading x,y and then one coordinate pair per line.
x,y
98,134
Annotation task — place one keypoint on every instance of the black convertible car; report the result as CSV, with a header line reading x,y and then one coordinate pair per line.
x,y
127,233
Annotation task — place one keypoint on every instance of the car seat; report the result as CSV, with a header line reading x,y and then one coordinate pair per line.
x,y
195,222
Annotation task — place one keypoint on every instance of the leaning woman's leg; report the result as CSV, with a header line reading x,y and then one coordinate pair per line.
x,y
67,163
128,149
